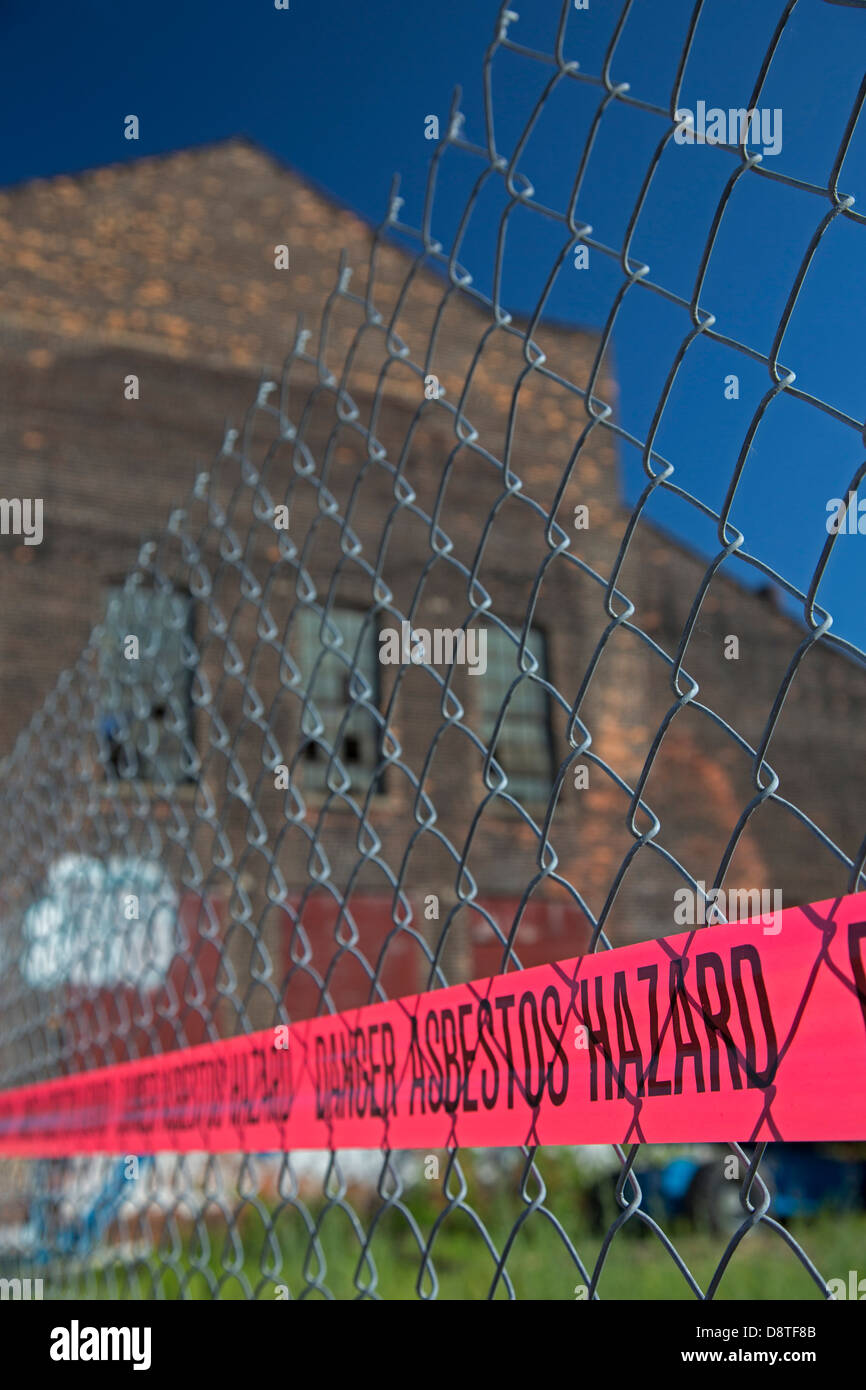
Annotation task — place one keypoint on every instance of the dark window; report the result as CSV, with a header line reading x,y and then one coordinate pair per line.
x,y
338,701
523,749
146,720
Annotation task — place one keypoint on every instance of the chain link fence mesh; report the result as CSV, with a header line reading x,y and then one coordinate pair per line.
x,y
171,820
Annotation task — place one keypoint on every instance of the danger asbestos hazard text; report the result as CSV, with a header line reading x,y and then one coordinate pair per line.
x,y
721,1033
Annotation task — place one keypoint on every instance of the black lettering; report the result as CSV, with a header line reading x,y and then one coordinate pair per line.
x,y
485,1019
551,994
654,1087
449,1053
360,1063
270,1084
628,1056
431,1018
389,1060
282,1063
503,1004
199,1072
468,1058
238,1070
320,1080
754,1078
856,932
168,1100
181,1097
418,1079
533,1096
598,1037
717,1020
219,1109
258,1091
348,1061
685,1037
334,1069
374,1072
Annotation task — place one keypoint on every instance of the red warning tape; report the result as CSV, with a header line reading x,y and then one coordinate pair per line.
x,y
734,1032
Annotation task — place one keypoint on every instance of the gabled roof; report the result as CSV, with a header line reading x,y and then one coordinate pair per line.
x,y
175,253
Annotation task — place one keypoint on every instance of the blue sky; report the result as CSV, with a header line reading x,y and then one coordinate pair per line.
x,y
340,91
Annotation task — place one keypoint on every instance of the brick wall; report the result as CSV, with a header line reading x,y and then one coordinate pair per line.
x,y
164,269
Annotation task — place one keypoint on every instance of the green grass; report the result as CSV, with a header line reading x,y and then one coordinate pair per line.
x,y
252,1261
636,1267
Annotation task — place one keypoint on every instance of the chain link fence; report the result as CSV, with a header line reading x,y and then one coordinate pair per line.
x,y
215,822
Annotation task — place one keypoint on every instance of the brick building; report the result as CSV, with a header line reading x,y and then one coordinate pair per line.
x,y
163,270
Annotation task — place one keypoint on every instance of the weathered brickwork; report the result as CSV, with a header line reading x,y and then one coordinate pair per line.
x,y
164,269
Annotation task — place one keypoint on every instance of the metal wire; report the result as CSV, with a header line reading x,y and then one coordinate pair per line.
x,y
200,843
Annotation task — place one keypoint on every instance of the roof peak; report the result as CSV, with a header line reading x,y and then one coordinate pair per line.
x,y
238,142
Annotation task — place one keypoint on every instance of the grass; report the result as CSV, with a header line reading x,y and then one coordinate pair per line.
x,y
200,1260
540,1267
